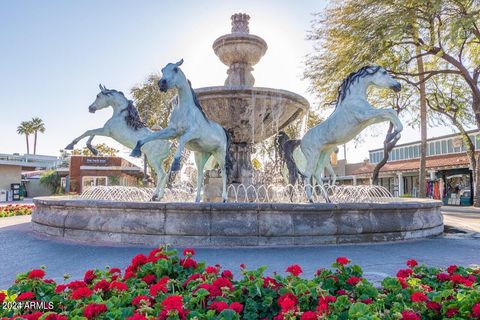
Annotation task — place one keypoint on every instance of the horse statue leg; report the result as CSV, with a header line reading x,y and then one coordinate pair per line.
x,y
93,132
201,159
92,149
165,134
157,165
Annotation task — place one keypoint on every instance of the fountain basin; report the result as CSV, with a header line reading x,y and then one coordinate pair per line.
x,y
235,224
252,114
244,48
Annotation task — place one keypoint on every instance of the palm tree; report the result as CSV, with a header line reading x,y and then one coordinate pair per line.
x,y
25,128
38,126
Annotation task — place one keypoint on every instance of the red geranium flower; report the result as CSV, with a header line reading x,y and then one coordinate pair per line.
x,y
451,312
89,276
172,305
236,306
294,270
443,277
367,301
32,316
188,263
94,309
287,302
432,305
476,310
412,263
160,286
211,270
137,301
114,270
76,284
29,295
218,306
353,280
309,315
117,285
343,261
418,297
188,252
36,274
149,279
404,273
137,316
227,274
403,282
103,285
410,315
60,288
451,269
2,297
80,293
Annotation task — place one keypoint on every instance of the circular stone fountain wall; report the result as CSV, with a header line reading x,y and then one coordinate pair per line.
x,y
235,224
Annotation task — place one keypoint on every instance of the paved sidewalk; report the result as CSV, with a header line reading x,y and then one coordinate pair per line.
x,y
467,219
21,250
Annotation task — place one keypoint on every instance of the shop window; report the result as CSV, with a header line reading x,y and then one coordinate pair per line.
x,y
417,151
444,146
477,142
431,149
94,181
450,146
410,152
402,153
437,147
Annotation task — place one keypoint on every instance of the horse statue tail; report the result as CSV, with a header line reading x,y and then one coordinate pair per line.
x,y
228,154
285,147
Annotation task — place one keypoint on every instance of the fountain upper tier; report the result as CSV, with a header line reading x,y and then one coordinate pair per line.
x,y
252,114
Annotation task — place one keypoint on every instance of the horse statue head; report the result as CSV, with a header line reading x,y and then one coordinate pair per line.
x,y
116,99
172,76
371,75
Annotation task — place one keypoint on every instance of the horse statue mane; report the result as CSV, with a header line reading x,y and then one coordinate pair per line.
x,y
132,118
351,78
195,100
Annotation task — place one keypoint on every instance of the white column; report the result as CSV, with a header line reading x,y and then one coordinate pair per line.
x,y
400,184
354,180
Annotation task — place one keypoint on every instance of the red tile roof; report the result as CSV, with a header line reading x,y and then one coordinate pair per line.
x,y
435,162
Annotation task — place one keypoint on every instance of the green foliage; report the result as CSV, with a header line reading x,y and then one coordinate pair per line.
x,y
153,106
103,151
52,180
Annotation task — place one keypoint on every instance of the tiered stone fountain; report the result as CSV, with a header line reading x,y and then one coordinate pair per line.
x,y
251,114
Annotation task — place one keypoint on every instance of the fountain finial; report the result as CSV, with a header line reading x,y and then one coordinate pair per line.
x,y
240,23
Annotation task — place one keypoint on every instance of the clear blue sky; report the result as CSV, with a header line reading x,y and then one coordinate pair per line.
x,y
54,53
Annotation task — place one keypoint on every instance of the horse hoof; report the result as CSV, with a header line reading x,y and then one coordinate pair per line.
x,y
69,147
310,200
176,165
136,153
154,198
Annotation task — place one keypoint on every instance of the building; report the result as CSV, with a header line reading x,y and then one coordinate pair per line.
x,y
13,165
86,171
449,175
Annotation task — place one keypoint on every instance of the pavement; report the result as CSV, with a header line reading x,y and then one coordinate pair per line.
x,y
21,250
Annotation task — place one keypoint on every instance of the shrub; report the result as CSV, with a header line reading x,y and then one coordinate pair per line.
x,y
162,285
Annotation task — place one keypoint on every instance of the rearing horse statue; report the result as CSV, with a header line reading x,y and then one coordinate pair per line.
x,y
193,129
126,127
352,114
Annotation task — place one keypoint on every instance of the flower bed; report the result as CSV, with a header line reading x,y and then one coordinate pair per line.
x,y
16,210
165,286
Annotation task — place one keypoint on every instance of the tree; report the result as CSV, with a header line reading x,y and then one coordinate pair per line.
x,y
391,32
37,126
26,129
102,148
52,180
153,106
